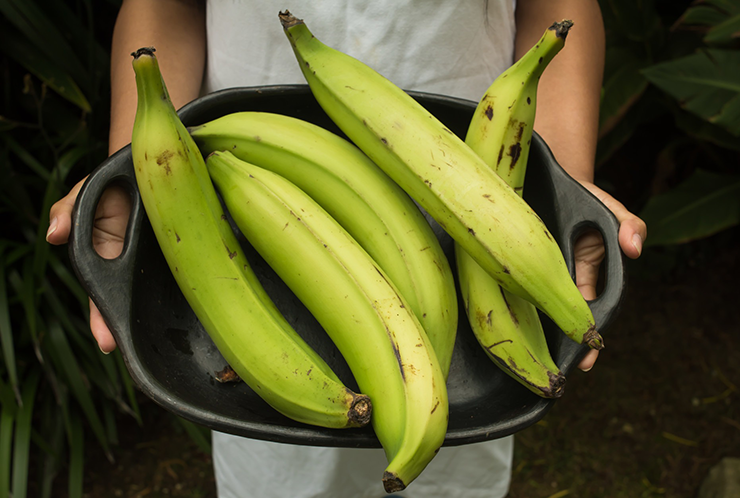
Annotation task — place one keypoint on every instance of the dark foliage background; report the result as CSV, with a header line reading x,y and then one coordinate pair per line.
x,y
669,149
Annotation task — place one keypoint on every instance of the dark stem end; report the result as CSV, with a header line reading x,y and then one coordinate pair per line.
x,y
561,28
288,20
360,411
392,483
144,51
593,339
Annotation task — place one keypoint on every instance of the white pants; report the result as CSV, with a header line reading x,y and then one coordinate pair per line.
x,y
250,468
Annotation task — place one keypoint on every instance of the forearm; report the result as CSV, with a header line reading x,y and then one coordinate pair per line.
x,y
176,29
569,90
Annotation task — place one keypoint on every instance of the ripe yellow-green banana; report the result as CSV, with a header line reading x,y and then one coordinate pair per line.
x,y
507,326
362,312
378,214
213,273
443,174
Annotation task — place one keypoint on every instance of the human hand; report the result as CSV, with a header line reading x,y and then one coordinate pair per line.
x,y
109,230
589,252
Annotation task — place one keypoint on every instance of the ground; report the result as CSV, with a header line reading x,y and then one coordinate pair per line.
x,y
660,407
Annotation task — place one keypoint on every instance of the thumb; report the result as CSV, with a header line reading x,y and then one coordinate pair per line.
x,y
632,230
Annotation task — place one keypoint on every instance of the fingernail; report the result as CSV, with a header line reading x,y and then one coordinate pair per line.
x,y
101,350
587,369
637,242
52,228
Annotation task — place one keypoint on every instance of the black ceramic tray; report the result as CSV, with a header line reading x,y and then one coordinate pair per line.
x,y
173,361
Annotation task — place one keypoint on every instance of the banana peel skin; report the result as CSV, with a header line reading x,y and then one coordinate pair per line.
x,y
214,275
500,132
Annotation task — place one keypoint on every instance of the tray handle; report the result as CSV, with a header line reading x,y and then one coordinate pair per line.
x,y
107,281
578,212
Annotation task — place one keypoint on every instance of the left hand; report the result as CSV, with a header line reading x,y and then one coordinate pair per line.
x,y
589,252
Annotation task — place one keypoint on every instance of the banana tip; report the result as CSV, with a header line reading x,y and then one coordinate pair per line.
x,y
288,20
557,385
593,339
360,411
392,483
144,51
562,28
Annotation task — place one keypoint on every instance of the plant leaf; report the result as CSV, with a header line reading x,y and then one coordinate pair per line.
x,y
6,329
704,204
725,32
7,420
22,436
30,57
623,86
198,434
65,360
706,83
76,459
38,29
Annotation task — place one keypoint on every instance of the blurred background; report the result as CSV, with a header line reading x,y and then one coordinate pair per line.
x,y
658,411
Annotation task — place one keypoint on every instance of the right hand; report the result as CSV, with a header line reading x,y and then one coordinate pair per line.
x,y
109,230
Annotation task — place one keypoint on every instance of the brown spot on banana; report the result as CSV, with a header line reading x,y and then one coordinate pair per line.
x,y
489,112
515,151
164,159
232,254
434,408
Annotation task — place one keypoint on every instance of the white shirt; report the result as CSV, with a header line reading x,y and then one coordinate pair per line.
x,y
449,47
407,41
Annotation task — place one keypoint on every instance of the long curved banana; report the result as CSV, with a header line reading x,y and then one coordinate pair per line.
x,y
351,297
507,326
363,199
212,272
440,172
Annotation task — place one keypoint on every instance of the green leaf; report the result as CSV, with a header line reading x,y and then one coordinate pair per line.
x,y
66,362
704,204
719,18
705,131
34,60
634,20
701,15
76,459
197,433
53,427
128,385
623,86
706,83
7,421
22,436
39,29
724,33
27,158
6,329
645,110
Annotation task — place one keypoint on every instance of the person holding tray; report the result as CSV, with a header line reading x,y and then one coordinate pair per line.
x,y
454,48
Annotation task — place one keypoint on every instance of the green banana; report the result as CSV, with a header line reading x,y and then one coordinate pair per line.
x,y
507,326
213,273
443,174
363,313
353,190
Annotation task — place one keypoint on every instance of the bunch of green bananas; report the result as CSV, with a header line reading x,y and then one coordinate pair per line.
x,y
339,224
